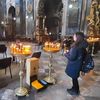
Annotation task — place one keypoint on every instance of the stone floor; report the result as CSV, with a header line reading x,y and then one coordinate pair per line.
x,y
89,84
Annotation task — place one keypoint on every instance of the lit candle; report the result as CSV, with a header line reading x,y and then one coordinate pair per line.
x,y
58,45
27,49
46,44
50,44
20,49
12,49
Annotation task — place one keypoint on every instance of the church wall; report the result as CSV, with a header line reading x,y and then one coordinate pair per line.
x,y
23,20
27,12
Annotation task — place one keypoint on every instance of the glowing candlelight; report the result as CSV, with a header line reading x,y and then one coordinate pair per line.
x,y
27,49
52,46
46,44
58,45
20,49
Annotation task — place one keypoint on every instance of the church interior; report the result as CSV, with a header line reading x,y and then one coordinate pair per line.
x,y
34,35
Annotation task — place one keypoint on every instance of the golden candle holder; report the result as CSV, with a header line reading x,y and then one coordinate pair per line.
x,y
93,41
50,47
21,51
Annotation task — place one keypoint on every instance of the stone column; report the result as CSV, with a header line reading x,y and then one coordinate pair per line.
x,y
22,17
87,13
17,7
64,17
83,16
36,2
2,17
29,18
26,20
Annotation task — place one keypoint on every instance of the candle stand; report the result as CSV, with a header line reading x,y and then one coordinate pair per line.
x,y
21,52
50,49
21,91
93,41
50,78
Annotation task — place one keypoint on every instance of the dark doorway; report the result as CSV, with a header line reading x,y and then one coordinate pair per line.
x,y
11,25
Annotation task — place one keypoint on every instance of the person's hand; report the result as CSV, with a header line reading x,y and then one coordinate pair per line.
x,y
64,52
67,51
82,73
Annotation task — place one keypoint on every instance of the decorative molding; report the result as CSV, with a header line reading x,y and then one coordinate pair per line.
x,y
94,19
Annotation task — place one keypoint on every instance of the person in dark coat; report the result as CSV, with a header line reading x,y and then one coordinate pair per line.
x,y
74,56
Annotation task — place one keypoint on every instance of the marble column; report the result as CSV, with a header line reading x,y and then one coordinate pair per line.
x,y
17,7
64,17
31,13
87,13
2,17
26,19
83,16
22,17
36,2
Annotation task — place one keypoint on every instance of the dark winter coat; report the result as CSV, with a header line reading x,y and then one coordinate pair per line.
x,y
74,57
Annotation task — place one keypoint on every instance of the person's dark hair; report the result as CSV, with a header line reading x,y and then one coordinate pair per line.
x,y
81,34
80,38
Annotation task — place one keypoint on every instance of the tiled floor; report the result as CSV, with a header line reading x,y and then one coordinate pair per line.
x,y
89,85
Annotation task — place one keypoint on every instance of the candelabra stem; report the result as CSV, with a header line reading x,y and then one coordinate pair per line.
x,y
92,53
50,79
21,91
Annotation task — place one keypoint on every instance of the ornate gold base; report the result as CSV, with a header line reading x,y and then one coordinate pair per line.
x,y
21,91
50,80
